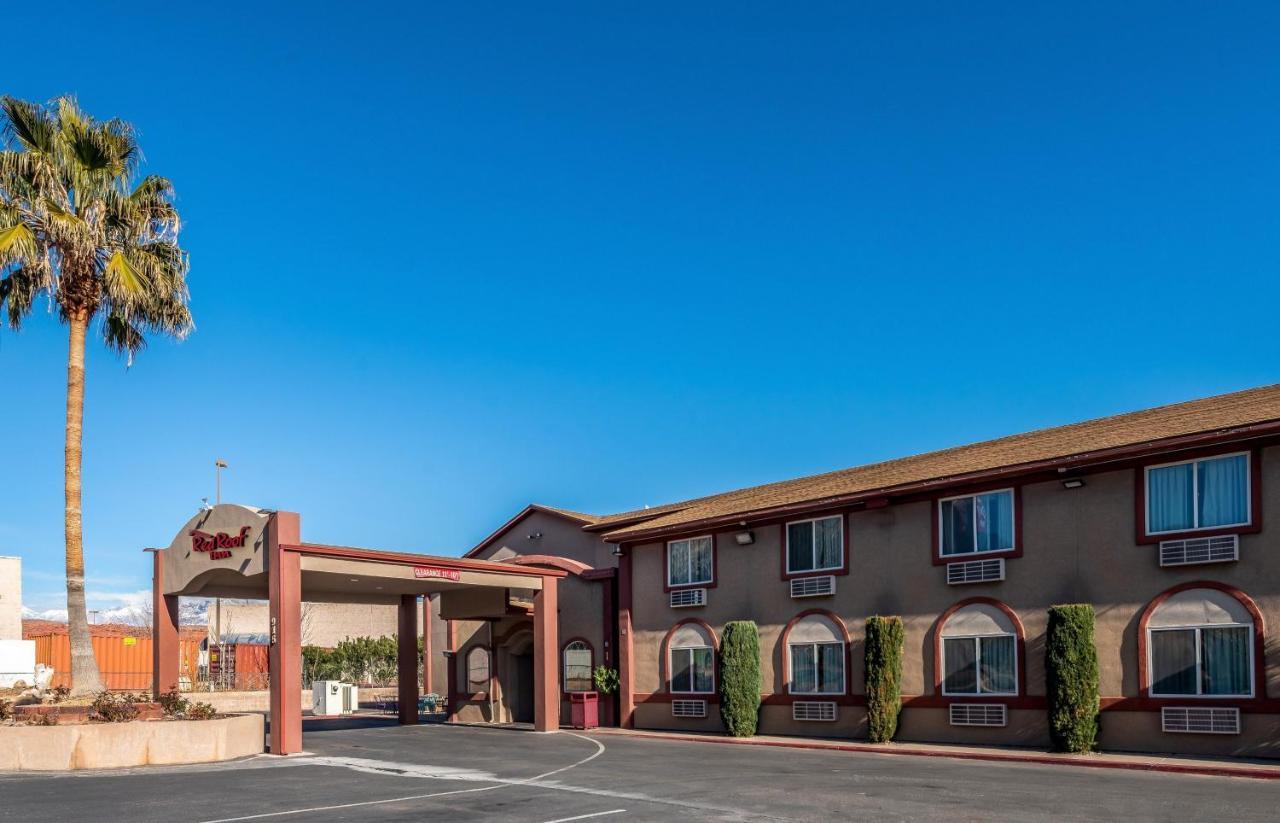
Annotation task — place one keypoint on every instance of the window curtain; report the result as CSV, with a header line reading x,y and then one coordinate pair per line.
x,y
959,658
993,514
957,526
1224,653
577,668
998,673
832,668
682,670
701,552
830,542
678,560
800,547
1224,490
703,662
1169,498
804,675
1173,662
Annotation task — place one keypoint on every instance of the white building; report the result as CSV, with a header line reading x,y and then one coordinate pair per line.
x,y
17,656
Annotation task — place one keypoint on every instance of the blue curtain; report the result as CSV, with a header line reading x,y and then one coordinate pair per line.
x,y
994,516
1224,654
957,526
1224,490
678,563
829,544
681,670
703,666
998,674
701,560
1173,661
804,675
1169,498
832,668
800,547
959,659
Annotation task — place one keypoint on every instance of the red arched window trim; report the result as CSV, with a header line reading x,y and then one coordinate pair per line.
x,y
590,647
1259,633
786,652
1021,641
715,657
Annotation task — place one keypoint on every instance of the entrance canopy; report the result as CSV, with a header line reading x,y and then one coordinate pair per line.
x,y
243,552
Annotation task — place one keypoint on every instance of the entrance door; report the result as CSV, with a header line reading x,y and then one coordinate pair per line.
x,y
522,710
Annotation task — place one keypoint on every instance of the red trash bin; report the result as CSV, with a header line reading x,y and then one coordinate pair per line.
x,y
584,710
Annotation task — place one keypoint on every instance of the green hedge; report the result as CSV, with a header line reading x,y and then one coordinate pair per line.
x,y
883,677
1071,669
740,678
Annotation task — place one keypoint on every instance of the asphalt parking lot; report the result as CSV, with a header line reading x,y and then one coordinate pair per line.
x,y
389,772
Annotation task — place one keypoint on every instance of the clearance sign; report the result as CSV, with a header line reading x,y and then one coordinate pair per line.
x,y
433,573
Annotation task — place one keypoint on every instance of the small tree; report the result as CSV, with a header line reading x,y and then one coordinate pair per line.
x,y
1071,669
740,678
883,677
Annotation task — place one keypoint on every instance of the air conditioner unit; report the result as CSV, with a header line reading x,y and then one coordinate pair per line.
x,y
975,571
688,708
824,710
1221,549
823,586
979,714
1200,720
332,697
684,598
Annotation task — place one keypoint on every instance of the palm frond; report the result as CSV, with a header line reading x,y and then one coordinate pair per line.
x,y
17,242
29,124
124,279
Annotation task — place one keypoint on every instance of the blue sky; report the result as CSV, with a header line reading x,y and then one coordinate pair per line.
x,y
451,258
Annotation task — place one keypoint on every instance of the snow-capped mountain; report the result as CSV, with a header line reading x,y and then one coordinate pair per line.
x,y
191,612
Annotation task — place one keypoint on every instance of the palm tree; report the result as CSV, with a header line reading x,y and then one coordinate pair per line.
x,y
76,230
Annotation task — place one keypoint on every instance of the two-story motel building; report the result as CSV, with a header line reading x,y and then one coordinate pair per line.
x,y
1158,518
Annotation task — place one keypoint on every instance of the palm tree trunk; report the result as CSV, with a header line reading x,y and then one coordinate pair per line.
x,y
84,668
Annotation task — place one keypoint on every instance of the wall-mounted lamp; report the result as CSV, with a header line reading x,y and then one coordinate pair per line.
x,y
745,538
535,536
1073,483
617,550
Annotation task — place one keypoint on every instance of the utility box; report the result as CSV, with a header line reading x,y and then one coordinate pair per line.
x,y
332,697
584,710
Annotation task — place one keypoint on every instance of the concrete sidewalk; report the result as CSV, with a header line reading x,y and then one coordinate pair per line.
x,y
1215,767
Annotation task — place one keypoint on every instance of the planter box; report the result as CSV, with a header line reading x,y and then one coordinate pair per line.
x,y
63,715
127,745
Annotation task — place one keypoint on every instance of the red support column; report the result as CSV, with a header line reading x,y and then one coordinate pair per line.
x,y
165,648
546,645
427,651
284,584
626,670
407,659
451,671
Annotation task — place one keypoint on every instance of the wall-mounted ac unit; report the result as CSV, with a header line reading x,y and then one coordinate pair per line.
x,y
684,598
688,708
979,714
824,710
823,586
975,571
1221,549
1200,720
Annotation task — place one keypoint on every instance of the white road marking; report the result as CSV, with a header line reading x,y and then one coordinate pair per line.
x,y
585,816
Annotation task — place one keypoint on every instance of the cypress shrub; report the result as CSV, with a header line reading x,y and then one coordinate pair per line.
x,y
883,677
1071,669
740,678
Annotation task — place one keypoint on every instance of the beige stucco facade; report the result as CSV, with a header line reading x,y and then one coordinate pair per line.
x,y
323,624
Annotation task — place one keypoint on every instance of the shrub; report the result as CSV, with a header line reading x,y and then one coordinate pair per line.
x,y
605,679
883,677
115,707
6,710
43,719
740,678
60,693
1071,671
199,711
174,704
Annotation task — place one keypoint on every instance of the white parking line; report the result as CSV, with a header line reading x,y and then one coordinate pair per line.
x,y
585,816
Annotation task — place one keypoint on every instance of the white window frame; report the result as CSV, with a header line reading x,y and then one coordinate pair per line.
x,y
844,666
977,665
813,545
1195,494
1151,668
692,583
671,669
488,659
1013,523
564,665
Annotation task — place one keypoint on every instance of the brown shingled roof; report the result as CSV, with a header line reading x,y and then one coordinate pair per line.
x,y
1213,414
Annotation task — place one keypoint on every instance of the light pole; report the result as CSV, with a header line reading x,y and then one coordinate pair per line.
x,y
218,466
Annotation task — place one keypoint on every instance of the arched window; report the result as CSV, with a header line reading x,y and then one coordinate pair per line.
x,y
1200,643
577,666
478,668
691,659
815,656
979,652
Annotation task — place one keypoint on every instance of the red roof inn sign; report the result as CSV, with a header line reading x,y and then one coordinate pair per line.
x,y
433,573
218,545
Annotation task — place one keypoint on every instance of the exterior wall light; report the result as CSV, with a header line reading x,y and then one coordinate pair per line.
x,y
745,538
617,550
1073,483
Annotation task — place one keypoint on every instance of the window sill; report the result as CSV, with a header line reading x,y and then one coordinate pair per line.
x,y
1148,538
944,559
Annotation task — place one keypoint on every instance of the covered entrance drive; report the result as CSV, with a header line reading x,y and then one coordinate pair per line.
x,y
237,551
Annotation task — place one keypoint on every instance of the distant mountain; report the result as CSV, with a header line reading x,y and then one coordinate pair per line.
x,y
192,611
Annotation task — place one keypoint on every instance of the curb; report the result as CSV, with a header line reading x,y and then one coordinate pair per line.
x,y
1255,773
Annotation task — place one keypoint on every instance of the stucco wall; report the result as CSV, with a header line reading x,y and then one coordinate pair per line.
x,y
323,624
560,537
1079,546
